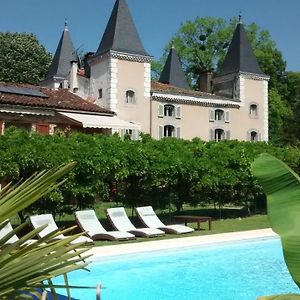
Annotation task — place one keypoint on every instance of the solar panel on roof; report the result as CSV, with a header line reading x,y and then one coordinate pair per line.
x,y
22,91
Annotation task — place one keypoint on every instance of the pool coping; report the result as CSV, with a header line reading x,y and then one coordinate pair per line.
x,y
177,243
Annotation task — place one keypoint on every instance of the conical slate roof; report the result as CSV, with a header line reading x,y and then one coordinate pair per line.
x,y
65,53
121,34
240,56
172,72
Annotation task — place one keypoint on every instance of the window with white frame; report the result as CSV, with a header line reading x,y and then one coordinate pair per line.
x,y
169,110
219,115
130,97
253,136
169,131
100,93
253,111
219,134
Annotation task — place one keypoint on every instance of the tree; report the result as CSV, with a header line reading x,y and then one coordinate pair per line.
x,y
279,112
282,187
25,267
202,45
22,58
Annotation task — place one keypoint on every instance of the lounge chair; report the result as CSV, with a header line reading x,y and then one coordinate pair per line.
x,y
120,221
47,219
88,222
149,218
6,230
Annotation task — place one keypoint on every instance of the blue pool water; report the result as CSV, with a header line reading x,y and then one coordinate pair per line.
x,y
236,271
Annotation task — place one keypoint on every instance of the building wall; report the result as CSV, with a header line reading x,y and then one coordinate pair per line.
x,y
100,80
134,76
252,91
193,121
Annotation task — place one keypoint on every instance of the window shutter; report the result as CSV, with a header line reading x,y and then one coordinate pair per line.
x,y
42,128
259,137
122,132
227,135
178,112
211,134
248,135
160,110
211,115
227,117
161,132
135,134
178,132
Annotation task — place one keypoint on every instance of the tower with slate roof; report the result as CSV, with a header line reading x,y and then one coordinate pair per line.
x,y
120,78
63,64
241,79
172,72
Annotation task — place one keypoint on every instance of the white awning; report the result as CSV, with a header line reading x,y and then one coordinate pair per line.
x,y
98,121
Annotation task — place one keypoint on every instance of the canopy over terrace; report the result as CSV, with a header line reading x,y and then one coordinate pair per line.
x,y
100,121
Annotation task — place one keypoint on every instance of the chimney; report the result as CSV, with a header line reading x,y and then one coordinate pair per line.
x,y
205,81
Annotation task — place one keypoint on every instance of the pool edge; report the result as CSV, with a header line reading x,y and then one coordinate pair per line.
x,y
183,242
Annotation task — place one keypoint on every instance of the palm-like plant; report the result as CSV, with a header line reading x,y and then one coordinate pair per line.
x,y
27,268
282,188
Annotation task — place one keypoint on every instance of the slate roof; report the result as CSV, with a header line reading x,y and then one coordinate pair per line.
x,y
65,53
172,72
121,34
54,99
169,89
240,56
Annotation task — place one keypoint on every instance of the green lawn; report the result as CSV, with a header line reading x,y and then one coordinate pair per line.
x,y
234,220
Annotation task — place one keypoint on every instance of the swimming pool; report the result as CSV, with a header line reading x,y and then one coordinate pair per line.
x,y
235,271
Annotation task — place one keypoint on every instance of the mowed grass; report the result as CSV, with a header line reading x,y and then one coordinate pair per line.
x,y
232,219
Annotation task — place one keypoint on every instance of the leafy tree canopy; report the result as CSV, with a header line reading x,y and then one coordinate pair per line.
x,y
22,58
202,45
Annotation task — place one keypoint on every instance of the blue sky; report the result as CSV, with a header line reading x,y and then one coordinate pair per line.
x,y
156,20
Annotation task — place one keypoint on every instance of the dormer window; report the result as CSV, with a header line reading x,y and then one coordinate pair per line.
x,y
253,112
130,97
169,111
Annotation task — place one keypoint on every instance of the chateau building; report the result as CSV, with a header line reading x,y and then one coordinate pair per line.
x,y
232,104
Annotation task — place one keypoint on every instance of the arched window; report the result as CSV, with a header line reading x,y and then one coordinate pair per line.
x,y
169,131
219,115
130,97
253,136
219,135
253,110
169,110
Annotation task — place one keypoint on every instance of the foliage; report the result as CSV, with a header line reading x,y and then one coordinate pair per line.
x,y
292,124
282,187
202,45
26,265
279,112
164,173
22,58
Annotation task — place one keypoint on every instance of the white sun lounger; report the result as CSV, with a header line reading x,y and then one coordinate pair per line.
x,y
47,219
6,230
120,221
149,218
88,222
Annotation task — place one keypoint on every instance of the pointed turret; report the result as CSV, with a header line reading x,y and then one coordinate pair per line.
x,y
172,72
121,34
64,55
240,56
